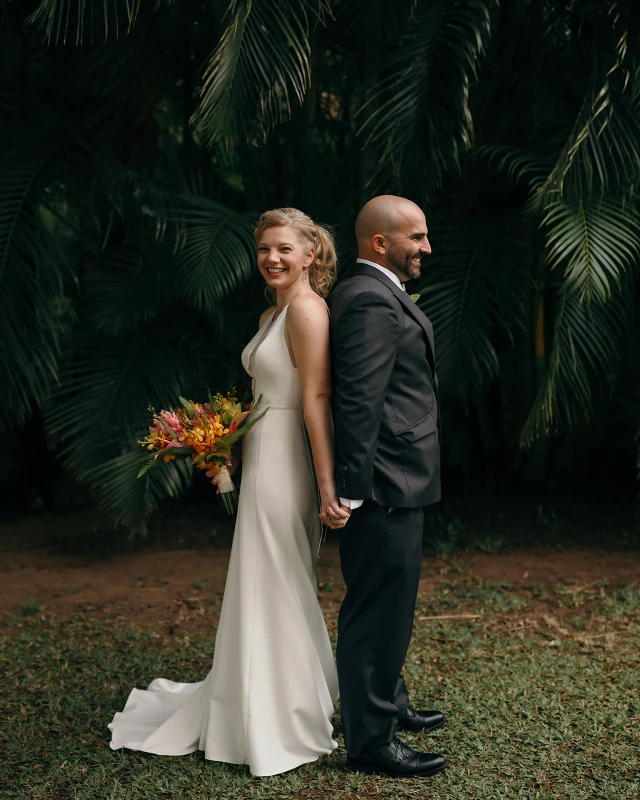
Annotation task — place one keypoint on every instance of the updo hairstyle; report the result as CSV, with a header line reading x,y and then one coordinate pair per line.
x,y
322,271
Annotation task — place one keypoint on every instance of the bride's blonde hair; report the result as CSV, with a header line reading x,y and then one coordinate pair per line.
x,y
322,271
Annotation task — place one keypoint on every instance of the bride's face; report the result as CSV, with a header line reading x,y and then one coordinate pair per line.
x,y
283,260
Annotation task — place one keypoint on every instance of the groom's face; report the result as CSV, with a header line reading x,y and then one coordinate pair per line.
x,y
408,246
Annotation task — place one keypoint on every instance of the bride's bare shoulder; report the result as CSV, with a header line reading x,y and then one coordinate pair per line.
x,y
308,318
307,303
266,315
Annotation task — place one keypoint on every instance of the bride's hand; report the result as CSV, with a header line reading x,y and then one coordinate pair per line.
x,y
231,465
332,513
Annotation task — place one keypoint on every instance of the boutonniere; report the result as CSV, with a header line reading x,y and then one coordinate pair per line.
x,y
414,297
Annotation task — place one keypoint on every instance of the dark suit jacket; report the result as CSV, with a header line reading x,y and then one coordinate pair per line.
x,y
385,393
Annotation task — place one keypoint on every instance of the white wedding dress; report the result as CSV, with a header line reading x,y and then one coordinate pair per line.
x,y
268,699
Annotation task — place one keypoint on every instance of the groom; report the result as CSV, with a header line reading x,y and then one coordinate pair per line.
x,y
387,471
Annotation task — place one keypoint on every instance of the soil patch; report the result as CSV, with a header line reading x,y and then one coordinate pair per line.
x,y
178,589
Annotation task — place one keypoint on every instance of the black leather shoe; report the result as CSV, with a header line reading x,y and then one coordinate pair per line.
x,y
412,720
398,760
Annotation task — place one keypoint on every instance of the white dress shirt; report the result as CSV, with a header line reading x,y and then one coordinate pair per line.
x,y
391,275
353,504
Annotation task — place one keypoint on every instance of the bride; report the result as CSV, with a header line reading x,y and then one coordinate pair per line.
x,y
268,699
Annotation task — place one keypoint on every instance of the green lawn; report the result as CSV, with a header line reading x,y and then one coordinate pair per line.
x,y
541,691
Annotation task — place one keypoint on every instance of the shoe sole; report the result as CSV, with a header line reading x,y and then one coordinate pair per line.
x,y
417,730
381,771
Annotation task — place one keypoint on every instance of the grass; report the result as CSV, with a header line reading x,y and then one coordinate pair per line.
x,y
540,689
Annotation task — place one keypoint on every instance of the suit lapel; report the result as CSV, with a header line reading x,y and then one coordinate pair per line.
x,y
407,302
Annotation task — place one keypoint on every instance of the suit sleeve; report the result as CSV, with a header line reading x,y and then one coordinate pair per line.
x,y
365,343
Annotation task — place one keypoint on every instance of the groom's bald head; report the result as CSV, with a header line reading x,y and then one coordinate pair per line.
x,y
392,231
384,215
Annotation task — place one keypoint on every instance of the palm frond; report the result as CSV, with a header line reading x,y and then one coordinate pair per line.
x,y
518,164
130,288
426,92
129,500
101,410
474,294
261,63
602,151
595,241
216,255
32,266
107,385
584,356
55,18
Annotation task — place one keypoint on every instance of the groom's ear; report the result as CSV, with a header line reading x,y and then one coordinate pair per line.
x,y
379,244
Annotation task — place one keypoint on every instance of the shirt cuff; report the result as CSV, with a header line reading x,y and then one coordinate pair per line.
x,y
352,504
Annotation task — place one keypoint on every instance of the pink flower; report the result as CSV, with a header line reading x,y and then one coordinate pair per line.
x,y
172,421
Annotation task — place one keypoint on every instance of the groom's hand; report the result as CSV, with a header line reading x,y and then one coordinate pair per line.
x,y
335,515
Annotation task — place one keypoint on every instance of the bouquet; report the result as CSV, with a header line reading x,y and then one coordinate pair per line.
x,y
205,433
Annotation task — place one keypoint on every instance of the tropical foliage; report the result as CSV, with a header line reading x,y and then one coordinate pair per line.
x,y
140,138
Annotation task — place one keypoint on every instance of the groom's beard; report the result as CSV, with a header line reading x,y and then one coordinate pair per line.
x,y
409,270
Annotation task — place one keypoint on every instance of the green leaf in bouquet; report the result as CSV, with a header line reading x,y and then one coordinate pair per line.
x,y
177,452
189,406
158,457
212,458
146,466
231,438
223,447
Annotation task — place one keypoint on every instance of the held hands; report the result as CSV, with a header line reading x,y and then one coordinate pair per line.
x,y
332,513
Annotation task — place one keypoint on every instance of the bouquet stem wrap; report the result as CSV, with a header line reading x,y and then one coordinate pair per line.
x,y
227,491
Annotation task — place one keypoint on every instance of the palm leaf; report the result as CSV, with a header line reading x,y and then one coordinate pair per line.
x,y
518,164
216,254
128,500
584,355
101,410
107,385
128,290
602,150
594,241
55,18
261,63
32,266
425,95
474,294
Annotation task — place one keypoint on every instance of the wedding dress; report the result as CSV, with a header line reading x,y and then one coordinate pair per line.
x,y
268,699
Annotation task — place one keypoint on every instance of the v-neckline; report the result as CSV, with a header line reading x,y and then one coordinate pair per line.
x,y
265,331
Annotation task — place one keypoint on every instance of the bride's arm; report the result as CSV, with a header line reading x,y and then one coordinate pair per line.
x,y
307,329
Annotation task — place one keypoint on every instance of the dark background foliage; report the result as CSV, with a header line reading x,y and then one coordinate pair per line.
x,y
139,139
